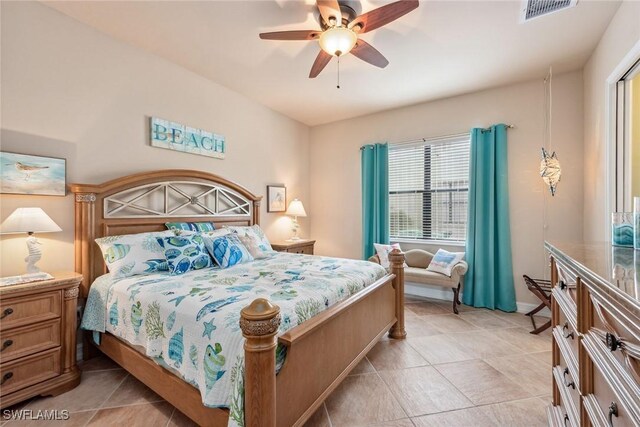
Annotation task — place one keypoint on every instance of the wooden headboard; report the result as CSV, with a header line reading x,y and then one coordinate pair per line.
x,y
145,201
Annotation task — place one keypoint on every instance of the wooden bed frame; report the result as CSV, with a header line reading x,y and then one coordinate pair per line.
x,y
320,352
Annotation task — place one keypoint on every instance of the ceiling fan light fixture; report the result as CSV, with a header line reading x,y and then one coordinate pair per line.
x,y
338,41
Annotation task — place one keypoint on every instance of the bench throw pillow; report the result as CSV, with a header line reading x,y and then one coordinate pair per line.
x,y
383,252
132,254
227,250
444,261
185,253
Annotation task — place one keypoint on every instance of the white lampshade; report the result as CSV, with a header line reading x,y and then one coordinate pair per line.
x,y
28,220
296,208
338,41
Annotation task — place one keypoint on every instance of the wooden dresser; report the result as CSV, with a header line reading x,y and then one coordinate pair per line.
x,y
38,338
596,335
296,247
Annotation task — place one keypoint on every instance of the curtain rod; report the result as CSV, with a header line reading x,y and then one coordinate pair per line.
x,y
411,141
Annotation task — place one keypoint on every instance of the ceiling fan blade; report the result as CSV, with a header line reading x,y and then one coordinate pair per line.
x,y
321,61
383,15
370,54
291,35
330,9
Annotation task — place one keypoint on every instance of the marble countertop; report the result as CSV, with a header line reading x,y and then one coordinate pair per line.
x,y
616,267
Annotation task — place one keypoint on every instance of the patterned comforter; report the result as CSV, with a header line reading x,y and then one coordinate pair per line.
x,y
190,322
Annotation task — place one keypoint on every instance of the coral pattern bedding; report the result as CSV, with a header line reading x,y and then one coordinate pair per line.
x,y
190,323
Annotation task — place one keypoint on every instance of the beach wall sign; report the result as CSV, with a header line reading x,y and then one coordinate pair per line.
x,y
179,137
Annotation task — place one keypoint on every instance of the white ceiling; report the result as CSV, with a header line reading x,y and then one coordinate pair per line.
x,y
444,48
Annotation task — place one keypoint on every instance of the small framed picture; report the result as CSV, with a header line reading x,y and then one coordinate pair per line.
x,y
33,175
276,198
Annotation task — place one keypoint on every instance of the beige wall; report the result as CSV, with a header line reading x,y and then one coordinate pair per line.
x,y
70,91
621,35
335,166
635,136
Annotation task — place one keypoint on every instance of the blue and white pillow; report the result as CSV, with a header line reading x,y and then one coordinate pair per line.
x,y
444,261
184,253
133,254
256,233
191,226
227,250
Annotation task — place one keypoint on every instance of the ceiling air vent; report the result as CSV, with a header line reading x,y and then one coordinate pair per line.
x,y
532,9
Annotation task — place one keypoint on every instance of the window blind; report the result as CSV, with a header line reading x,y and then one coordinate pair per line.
x,y
429,189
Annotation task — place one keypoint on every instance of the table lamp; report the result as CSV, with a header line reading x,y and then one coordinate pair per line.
x,y
29,220
295,210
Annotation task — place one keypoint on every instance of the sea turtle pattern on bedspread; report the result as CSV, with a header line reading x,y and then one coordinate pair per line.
x,y
190,323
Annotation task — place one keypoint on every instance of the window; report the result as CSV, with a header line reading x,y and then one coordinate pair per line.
x,y
429,189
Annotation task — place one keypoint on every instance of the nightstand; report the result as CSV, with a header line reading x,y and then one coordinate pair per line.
x,y
297,247
38,338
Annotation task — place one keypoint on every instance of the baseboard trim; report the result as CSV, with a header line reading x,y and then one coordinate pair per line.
x,y
427,291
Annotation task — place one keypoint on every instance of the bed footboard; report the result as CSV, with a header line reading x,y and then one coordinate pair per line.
x,y
320,352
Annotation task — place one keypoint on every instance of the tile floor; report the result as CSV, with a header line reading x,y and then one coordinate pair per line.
x,y
480,368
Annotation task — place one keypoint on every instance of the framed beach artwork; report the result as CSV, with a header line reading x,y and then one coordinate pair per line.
x,y
276,198
33,175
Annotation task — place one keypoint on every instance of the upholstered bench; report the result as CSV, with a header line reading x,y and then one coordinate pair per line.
x,y
416,272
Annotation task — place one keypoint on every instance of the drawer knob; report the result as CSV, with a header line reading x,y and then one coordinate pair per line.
x,y
570,335
613,343
563,285
6,377
613,412
6,344
566,418
571,384
6,312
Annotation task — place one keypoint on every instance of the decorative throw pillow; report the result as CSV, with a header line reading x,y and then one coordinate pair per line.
x,y
191,226
253,246
184,253
444,261
227,250
256,232
383,252
132,254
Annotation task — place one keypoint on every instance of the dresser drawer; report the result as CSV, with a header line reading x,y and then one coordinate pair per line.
x,y
19,342
568,392
557,416
29,309
30,370
307,250
567,282
567,332
611,406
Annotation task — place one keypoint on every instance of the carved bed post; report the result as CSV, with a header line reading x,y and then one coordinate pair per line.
x,y
259,322
396,259
84,227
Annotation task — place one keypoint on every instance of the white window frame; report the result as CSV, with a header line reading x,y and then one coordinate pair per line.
x,y
423,241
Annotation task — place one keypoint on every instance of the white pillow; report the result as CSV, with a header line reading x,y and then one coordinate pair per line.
x,y
444,261
383,252
132,254
254,231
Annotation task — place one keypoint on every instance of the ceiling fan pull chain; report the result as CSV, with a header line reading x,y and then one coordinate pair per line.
x,y
338,86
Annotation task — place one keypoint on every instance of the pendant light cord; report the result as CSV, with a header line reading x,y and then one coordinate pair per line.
x,y
547,142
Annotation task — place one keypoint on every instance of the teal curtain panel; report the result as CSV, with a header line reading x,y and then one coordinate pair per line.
x,y
489,281
375,196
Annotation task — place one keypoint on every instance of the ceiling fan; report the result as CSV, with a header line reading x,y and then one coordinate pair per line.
x,y
341,28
